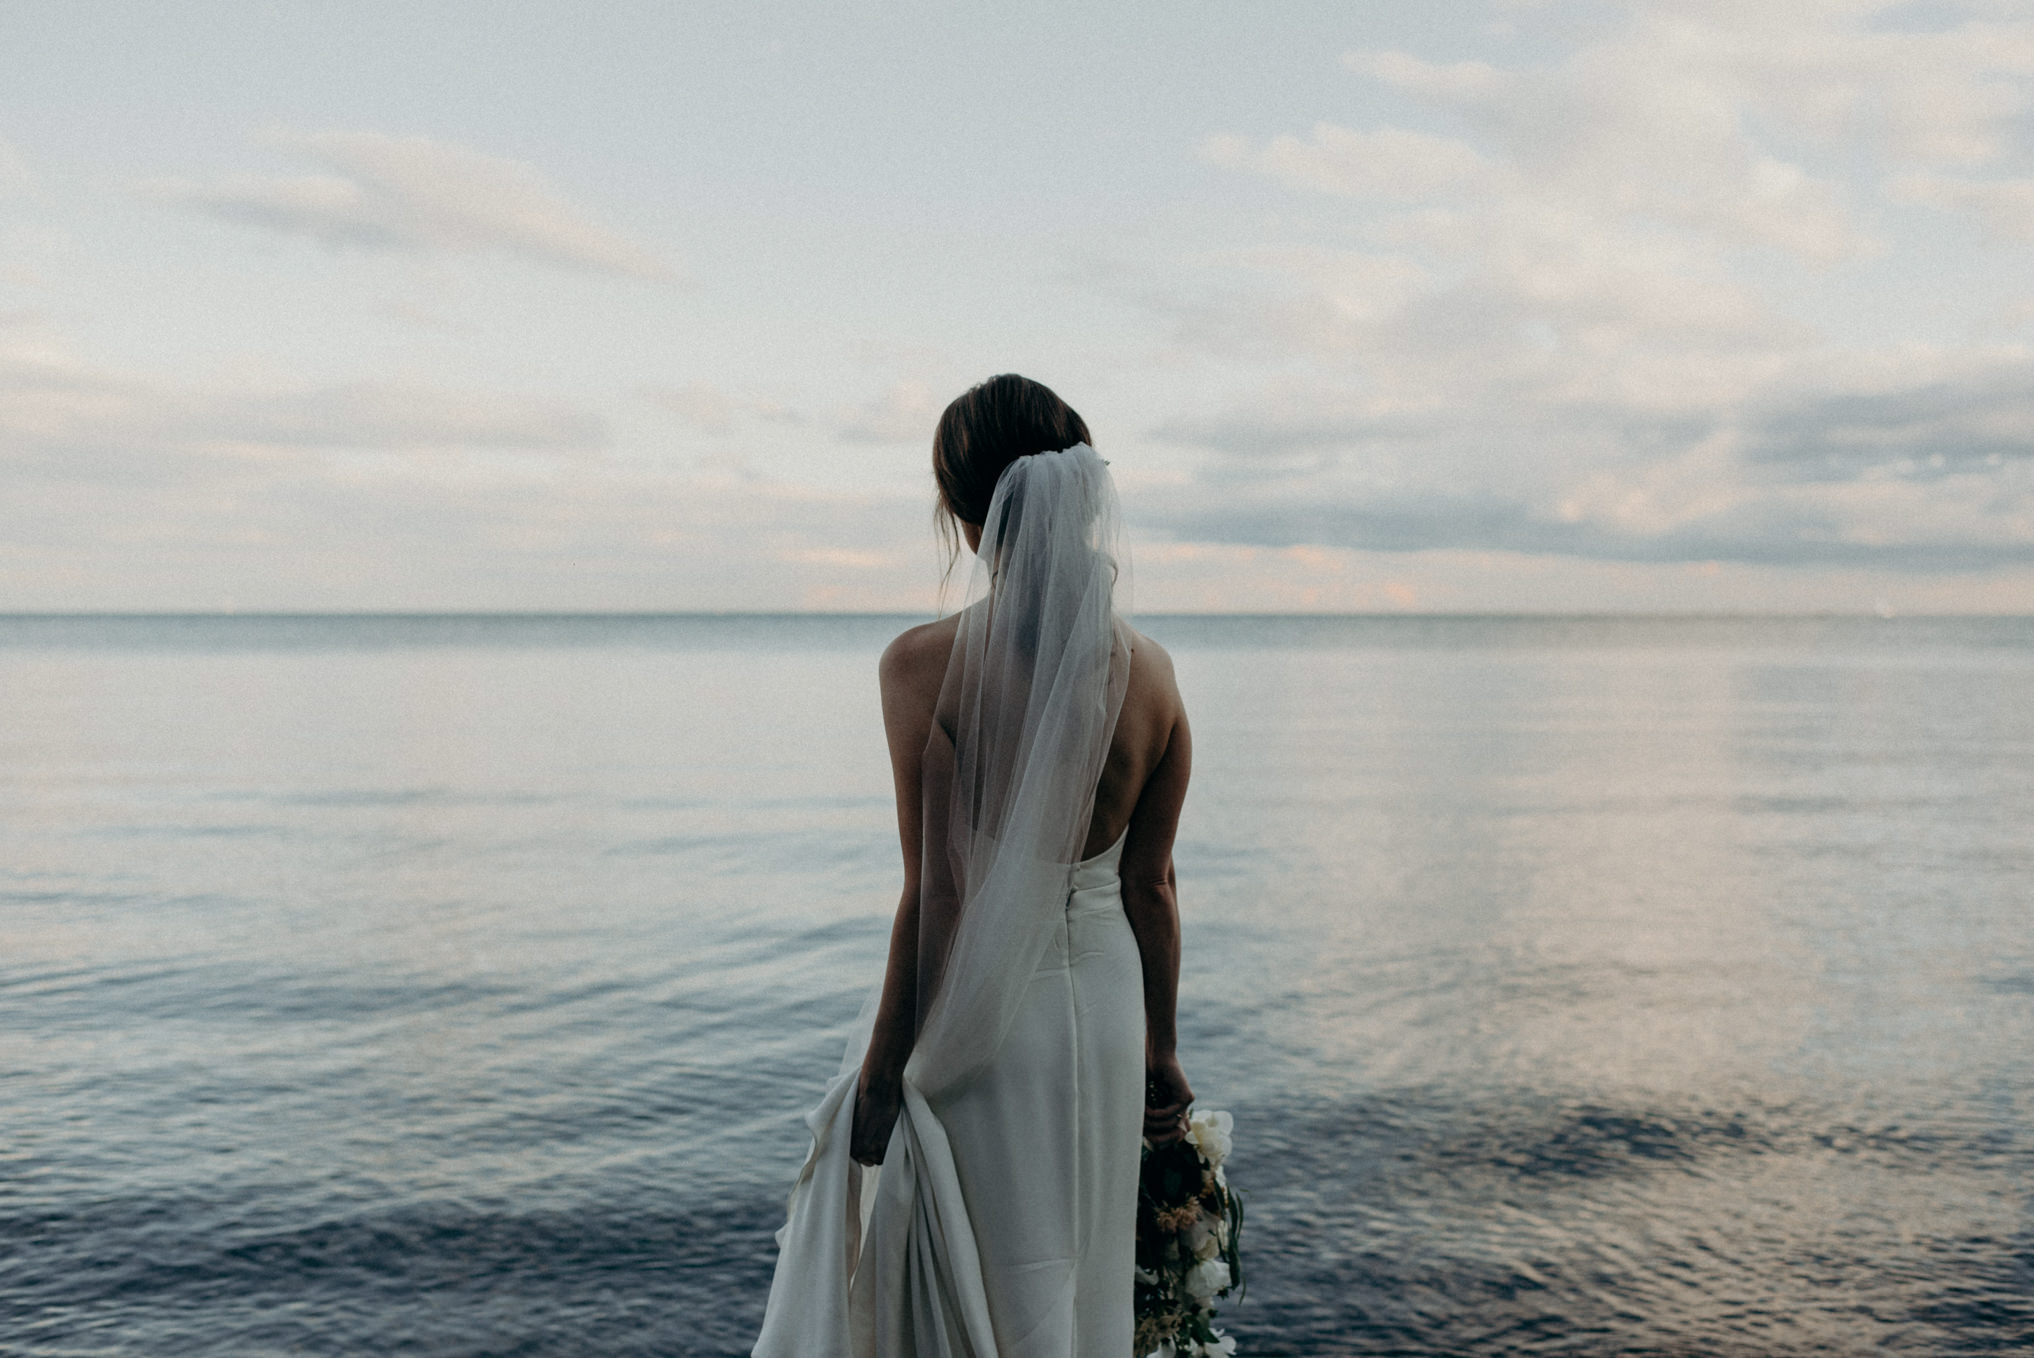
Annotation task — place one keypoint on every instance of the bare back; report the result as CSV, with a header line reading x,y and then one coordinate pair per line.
x,y
1143,779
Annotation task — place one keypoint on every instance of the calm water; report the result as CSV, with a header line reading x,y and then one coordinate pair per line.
x,y
452,986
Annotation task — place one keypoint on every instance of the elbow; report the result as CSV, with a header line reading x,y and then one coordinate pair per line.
x,y
1150,900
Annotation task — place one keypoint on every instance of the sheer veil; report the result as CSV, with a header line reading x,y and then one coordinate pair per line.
x,y
1026,712
1025,716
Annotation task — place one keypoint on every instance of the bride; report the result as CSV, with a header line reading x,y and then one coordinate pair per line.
x,y
972,1186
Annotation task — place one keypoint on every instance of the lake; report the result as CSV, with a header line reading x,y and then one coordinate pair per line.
x,y
453,985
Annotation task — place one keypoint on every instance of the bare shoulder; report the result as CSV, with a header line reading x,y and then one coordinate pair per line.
x,y
915,661
1151,670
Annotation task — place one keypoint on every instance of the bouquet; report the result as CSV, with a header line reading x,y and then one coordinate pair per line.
x,y
1188,1220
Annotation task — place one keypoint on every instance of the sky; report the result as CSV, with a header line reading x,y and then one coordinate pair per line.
x,y
1705,305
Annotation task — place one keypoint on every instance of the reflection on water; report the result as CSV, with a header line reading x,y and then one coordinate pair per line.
x,y
453,985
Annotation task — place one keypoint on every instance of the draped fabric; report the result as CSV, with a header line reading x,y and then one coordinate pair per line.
x,y
889,1263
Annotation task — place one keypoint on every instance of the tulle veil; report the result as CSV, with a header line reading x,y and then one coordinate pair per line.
x,y
1025,715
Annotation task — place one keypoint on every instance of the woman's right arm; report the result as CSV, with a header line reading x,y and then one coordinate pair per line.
x,y
907,720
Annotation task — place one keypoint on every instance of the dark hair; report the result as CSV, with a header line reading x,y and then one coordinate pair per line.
x,y
984,430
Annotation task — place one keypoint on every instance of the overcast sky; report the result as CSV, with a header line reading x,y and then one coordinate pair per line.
x,y
1711,305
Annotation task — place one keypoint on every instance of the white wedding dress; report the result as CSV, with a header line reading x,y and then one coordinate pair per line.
x,y
1002,1222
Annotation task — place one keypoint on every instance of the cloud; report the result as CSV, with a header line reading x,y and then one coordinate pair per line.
x,y
1924,427
1922,460
1389,163
415,193
1466,83
1706,71
1704,116
711,410
1951,93
1510,305
905,412
395,417
431,533
1657,121
1549,323
2004,207
699,404
67,418
1281,434
1769,532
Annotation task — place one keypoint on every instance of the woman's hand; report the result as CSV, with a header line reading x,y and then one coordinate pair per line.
x,y
876,1104
1167,1097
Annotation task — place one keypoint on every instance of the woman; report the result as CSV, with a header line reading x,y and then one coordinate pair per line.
x,y
1022,1042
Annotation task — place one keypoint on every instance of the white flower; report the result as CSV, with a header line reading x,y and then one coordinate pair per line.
x,y
1207,1278
1210,1134
1223,1347
1204,1238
